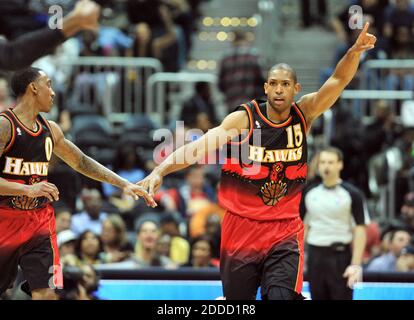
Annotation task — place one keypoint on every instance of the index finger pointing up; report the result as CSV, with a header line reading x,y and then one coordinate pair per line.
x,y
365,30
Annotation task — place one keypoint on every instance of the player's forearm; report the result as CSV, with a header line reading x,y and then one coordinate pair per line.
x,y
94,170
347,66
8,188
358,245
175,162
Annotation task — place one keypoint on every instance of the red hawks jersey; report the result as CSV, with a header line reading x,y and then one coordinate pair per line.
x,y
265,169
25,159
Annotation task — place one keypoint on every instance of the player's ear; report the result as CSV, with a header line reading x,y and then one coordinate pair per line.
x,y
265,87
298,87
33,88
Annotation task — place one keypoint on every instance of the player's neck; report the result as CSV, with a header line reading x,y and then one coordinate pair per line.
x,y
332,182
26,112
275,116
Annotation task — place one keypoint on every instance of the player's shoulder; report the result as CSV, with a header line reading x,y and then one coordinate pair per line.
x,y
5,126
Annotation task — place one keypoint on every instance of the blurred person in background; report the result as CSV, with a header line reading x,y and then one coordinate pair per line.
x,y
91,218
5,100
115,244
240,72
63,217
89,282
24,50
405,261
154,32
200,104
179,246
201,250
334,254
89,248
146,255
399,238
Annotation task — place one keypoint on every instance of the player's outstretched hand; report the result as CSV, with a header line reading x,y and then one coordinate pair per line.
x,y
43,189
88,13
365,41
354,275
137,191
151,183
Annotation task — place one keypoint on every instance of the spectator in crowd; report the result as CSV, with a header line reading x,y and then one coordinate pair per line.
x,y
66,241
115,244
399,238
5,101
399,14
27,48
63,217
405,262
201,248
89,248
334,254
89,282
203,220
154,31
309,17
179,246
92,217
164,246
240,73
407,212
128,165
193,195
199,112
401,47
146,255
373,244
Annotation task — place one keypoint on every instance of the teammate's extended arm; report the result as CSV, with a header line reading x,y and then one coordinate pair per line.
x,y
80,162
8,188
354,271
314,104
190,153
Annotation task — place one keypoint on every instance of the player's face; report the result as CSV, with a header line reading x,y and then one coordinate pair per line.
x,y
44,93
280,89
329,165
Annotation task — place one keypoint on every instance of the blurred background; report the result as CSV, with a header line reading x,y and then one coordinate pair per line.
x,y
155,62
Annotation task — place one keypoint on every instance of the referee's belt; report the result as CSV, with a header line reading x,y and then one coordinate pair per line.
x,y
334,247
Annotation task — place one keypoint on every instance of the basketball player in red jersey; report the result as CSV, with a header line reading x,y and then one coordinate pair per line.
x,y
262,233
27,224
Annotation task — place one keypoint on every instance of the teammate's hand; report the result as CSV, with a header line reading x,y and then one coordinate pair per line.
x,y
354,275
137,191
365,41
151,183
88,13
43,189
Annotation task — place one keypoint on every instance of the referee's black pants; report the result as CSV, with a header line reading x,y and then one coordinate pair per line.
x,y
326,266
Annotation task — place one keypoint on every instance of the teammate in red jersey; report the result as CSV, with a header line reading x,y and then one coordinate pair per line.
x,y
27,224
262,233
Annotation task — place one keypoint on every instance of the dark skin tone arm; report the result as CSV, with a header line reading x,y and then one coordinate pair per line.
x,y
80,162
314,104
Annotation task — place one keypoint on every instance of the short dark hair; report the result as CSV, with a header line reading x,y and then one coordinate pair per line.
x,y
22,78
334,150
286,67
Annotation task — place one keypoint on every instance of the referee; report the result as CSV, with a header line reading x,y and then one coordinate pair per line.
x,y
335,215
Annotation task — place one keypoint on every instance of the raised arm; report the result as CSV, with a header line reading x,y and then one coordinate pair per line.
x,y
314,104
85,165
189,154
